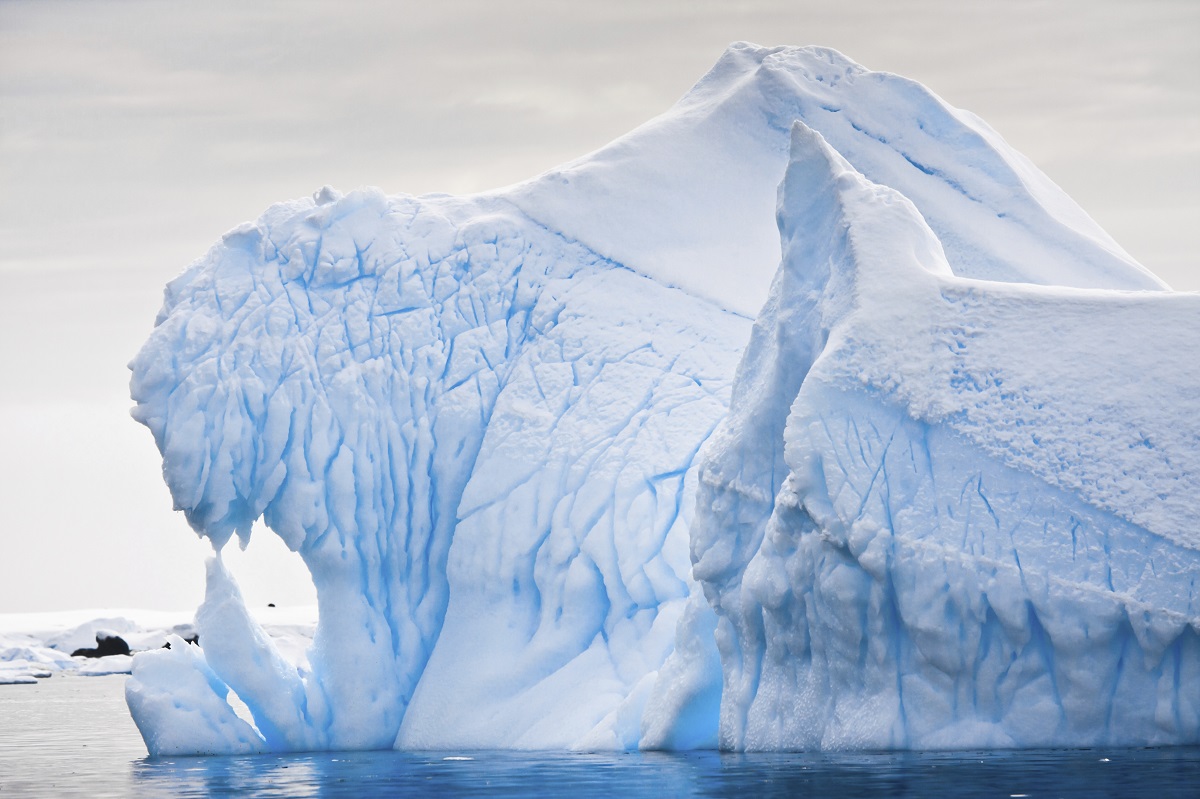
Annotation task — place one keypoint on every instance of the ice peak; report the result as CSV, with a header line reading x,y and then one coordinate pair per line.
x,y
689,199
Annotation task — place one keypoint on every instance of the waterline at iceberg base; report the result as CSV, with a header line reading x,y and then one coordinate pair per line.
x,y
582,464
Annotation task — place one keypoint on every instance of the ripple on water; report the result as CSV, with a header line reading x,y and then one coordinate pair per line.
x,y
72,736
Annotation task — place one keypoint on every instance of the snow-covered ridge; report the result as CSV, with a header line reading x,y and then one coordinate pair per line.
x,y
481,422
689,197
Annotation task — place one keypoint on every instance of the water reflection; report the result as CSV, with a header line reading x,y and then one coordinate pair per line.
x,y
72,737
1160,773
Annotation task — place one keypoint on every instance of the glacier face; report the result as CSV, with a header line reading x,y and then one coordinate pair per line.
x,y
485,424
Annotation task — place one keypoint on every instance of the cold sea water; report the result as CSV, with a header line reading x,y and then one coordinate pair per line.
x,y
72,736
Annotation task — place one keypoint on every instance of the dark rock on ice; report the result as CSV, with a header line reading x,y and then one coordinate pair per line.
x,y
106,644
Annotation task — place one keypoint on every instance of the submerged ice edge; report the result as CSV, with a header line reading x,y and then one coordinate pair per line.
x,y
484,437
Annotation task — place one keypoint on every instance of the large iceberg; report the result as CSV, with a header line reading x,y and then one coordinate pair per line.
x,y
555,490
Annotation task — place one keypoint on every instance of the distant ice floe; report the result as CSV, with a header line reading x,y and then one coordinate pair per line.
x,y
35,646
581,463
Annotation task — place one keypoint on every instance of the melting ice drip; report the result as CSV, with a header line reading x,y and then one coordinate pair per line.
x,y
480,423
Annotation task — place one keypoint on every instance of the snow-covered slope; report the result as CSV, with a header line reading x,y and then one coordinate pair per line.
x,y
689,197
478,420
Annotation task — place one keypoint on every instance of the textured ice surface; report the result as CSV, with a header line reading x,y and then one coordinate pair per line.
x,y
380,377
479,422
971,524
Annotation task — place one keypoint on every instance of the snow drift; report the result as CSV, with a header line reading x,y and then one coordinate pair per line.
x,y
941,507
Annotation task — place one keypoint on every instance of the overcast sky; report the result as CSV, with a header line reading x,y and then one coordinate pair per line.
x,y
134,132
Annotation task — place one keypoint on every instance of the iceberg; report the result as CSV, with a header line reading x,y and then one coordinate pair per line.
x,y
581,463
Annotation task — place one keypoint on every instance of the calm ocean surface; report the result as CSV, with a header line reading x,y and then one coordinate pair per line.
x,y
72,736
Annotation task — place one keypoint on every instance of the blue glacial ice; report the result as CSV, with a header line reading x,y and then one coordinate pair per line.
x,y
382,378
555,489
